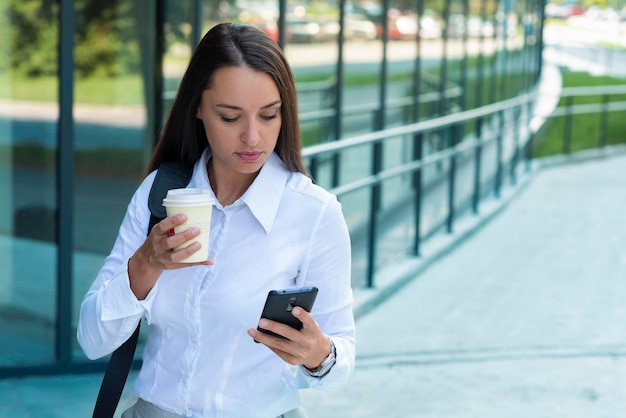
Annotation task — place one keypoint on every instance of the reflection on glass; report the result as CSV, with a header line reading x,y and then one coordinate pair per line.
x,y
114,128
435,58
28,114
178,45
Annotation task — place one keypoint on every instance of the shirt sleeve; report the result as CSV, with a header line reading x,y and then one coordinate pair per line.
x,y
110,312
329,269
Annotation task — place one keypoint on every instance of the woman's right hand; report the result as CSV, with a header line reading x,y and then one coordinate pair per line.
x,y
157,254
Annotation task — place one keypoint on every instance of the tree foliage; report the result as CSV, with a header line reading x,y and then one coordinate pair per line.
x,y
106,38
34,37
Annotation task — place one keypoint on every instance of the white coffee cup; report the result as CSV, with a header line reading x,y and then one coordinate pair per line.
x,y
197,204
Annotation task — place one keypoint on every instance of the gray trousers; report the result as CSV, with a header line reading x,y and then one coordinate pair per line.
x,y
143,409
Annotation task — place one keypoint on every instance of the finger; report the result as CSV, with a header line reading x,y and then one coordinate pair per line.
x,y
283,348
279,328
175,259
180,238
176,265
304,316
181,254
309,324
171,222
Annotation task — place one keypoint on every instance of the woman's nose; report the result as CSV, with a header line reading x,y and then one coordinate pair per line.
x,y
251,134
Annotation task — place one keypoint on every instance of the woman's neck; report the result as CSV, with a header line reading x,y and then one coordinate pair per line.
x,y
228,188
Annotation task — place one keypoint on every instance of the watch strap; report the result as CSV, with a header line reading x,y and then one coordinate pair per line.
x,y
324,368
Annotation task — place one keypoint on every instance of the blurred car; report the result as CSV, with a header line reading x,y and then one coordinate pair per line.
x,y
605,13
400,25
476,27
430,27
455,27
261,14
303,31
270,27
404,25
358,26
562,11
309,31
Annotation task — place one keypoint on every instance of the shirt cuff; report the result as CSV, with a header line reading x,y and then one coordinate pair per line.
x,y
118,300
331,382
327,364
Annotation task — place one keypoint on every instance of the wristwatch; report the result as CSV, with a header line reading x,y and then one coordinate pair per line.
x,y
327,364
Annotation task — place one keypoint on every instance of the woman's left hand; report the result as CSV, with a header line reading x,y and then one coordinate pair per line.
x,y
307,347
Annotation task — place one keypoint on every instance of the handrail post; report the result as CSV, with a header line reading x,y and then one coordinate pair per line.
x,y
314,167
567,141
515,157
454,133
417,192
499,168
529,151
530,144
377,151
604,120
477,162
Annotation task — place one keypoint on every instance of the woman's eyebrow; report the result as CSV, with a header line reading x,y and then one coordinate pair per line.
x,y
228,106
274,103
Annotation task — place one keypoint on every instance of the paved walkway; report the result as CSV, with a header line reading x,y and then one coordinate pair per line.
x,y
525,319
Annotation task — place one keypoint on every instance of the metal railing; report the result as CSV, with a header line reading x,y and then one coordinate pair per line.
x,y
569,109
493,130
327,111
485,148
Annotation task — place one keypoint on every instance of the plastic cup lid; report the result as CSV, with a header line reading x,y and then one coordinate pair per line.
x,y
188,197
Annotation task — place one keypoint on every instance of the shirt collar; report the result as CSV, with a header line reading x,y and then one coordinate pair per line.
x,y
264,194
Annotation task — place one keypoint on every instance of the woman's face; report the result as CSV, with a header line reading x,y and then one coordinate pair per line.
x,y
242,119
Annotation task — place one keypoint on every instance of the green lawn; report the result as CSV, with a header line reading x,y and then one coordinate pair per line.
x,y
126,90
585,128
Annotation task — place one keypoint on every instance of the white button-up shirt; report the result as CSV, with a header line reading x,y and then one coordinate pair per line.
x,y
198,361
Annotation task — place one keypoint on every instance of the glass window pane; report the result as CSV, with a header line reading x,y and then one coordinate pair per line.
x,y
179,43
113,132
28,123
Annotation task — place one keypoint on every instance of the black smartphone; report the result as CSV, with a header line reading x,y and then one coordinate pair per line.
x,y
280,303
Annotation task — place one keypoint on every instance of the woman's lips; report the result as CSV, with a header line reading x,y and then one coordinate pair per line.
x,y
249,156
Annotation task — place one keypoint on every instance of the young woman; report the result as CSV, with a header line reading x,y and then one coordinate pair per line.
x,y
235,119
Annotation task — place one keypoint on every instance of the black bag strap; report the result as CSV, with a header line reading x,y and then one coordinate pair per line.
x,y
170,175
115,378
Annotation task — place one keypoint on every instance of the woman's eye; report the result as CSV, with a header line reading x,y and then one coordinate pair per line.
x,y
270,117
225,119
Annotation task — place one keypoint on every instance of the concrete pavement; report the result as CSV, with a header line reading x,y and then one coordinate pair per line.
x,y
525,319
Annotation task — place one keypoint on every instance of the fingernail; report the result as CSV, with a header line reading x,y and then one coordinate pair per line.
x,y
262,323
296,311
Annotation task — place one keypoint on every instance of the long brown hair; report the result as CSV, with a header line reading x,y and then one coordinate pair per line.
x,y
183,138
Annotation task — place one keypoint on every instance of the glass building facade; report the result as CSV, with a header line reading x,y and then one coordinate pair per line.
x,y
85,85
